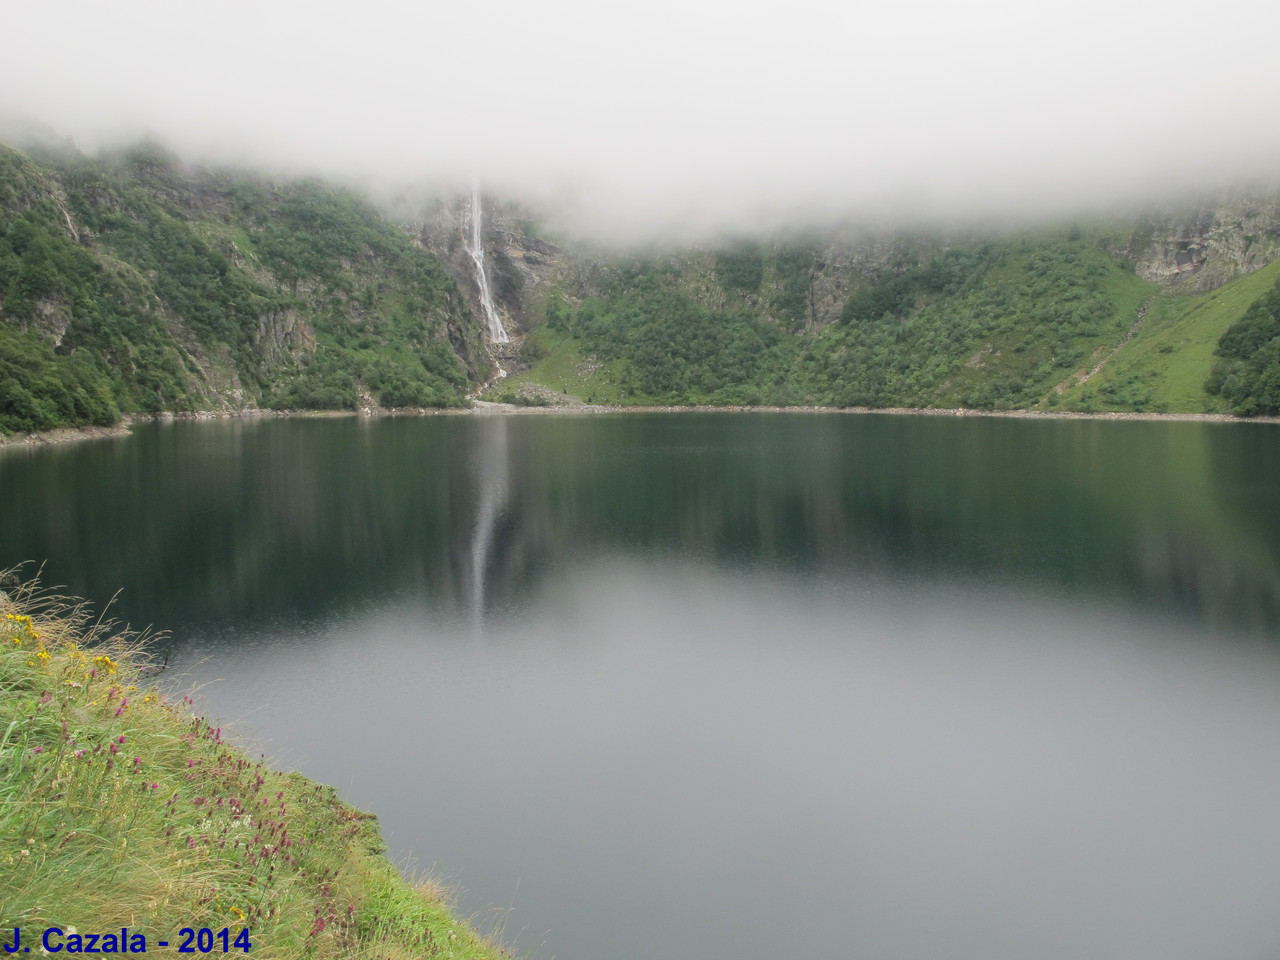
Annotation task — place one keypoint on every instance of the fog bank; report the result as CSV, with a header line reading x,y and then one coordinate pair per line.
x,y
672,116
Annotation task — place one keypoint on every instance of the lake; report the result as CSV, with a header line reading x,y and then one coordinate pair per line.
x,y
734,685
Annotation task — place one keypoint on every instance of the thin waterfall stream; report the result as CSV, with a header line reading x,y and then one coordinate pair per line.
x,y
475,247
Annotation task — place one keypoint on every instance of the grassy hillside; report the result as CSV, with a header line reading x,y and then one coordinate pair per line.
x,y
132,283
1167,363
119,807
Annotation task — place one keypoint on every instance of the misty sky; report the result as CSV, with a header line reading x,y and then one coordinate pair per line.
x,y
645,113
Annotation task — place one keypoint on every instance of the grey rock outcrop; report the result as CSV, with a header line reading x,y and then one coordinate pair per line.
x,y
281,334
1202,248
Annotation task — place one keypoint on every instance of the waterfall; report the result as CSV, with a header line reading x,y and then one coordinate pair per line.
x,y
476,248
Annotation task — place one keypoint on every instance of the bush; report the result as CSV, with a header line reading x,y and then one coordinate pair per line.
x,y
1247,374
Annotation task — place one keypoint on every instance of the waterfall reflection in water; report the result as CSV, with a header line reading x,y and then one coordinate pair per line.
x,y
491,494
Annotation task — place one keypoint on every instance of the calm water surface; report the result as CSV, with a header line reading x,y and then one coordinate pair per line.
x,y
757,686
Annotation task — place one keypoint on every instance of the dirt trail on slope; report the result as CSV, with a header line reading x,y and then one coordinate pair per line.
x,y
1080,376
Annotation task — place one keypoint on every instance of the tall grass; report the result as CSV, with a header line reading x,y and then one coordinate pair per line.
x,y
119,806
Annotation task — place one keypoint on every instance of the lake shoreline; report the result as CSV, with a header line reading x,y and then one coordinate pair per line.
x,y
490,408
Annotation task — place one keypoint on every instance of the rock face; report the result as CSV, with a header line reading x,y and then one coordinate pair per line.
x,y
838,265
50,319
1202,248
281,335
522,268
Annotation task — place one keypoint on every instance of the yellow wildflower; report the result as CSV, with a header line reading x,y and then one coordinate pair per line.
x,y
23,621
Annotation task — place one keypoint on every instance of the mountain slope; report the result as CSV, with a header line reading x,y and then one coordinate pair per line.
x,y
1048,318
1171,356
1248,374
133,283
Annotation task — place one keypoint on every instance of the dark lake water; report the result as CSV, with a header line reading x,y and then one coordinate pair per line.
x,y
736,686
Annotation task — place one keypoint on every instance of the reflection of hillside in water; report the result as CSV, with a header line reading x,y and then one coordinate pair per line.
x,y
1172,516
269,520
491,489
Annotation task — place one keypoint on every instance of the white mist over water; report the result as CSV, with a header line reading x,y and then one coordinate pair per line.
x,y
475,247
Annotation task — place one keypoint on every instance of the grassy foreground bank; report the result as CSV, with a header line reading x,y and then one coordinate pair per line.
x,y
120,807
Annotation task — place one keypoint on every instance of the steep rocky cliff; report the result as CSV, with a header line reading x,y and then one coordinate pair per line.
x,y
1201,247
523,269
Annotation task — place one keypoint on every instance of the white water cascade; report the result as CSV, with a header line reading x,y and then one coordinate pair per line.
x,y
475,247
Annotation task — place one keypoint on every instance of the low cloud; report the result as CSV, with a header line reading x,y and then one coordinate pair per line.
x,y
671,117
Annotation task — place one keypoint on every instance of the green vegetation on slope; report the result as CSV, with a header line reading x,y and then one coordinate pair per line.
x,y
1248,373
380,306
676,349
81,338
994,325
132,284
1166,364
990,324
120,808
